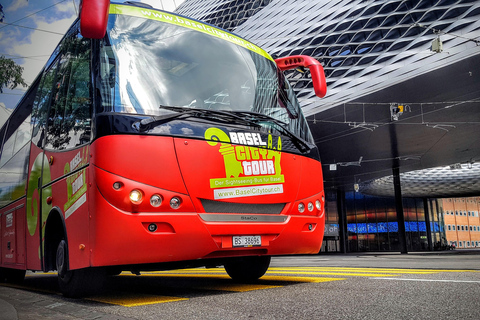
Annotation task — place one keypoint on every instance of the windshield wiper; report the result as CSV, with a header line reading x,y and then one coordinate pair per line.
x,y
184,112
229,117
279,125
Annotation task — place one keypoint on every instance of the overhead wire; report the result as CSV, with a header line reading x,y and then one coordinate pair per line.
x,y
349,131
31,28
13,57
34,13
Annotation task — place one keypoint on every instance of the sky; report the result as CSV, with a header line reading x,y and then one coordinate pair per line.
x,y
31,30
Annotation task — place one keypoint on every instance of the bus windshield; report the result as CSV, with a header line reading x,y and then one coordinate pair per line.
x,y
146,64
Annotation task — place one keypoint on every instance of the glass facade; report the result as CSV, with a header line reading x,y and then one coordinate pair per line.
x,y
331,238
371,224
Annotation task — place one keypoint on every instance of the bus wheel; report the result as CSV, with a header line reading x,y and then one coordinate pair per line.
x,y
76,283
247,268
12,275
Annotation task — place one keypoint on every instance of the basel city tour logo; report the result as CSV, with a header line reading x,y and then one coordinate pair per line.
x,y
252,168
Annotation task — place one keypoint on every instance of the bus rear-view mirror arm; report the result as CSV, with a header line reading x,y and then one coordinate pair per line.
x,y
93,18
316,70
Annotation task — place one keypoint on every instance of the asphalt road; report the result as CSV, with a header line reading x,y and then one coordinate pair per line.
x,y
352,286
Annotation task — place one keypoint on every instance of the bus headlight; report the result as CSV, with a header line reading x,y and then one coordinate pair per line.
x,y
136,196
301,207
156,200
310,206
318,204
175,203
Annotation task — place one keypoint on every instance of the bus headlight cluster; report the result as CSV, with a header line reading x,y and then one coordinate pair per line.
x,y
136,197
311,205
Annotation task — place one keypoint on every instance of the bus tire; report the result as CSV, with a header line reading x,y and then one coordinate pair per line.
x,y
247,268
76,283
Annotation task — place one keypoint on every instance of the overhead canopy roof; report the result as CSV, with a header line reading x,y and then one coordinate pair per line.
x,y
439,126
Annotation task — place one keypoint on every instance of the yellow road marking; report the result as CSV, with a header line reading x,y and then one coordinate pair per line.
x,y
351,274
131,299
226,277
180,275
351,270
237,287
358,269
299,279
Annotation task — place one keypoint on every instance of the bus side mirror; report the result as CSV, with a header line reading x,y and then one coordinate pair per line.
x,y
94,18
316,70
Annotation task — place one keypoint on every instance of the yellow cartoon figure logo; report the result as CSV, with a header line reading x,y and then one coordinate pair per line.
x,y
257,163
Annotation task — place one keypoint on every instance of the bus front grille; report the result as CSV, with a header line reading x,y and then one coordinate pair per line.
x,y
212,206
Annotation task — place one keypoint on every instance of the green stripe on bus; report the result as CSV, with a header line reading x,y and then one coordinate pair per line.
x,y
187,23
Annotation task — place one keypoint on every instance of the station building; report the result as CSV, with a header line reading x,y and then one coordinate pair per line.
x,y
462,221
398,129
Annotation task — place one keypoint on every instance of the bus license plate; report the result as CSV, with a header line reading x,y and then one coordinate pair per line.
x,y
247,241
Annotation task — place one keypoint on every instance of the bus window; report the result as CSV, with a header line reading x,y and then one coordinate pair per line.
x,y
7,150
13,176
40,107
69,116
14,158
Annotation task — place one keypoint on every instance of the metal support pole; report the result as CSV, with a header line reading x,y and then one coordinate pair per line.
x,y
342,220
402,235
427,223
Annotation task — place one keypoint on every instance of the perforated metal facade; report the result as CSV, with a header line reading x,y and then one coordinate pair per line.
x,y
365,46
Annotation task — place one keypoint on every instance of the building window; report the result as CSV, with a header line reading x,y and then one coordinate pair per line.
x,y
449,228
462,228
453,227
471,228
461,243
468,243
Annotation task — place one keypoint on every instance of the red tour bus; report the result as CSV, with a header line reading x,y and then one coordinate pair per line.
x,y
151,141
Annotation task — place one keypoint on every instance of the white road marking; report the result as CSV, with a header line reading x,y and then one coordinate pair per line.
x,y
427,280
